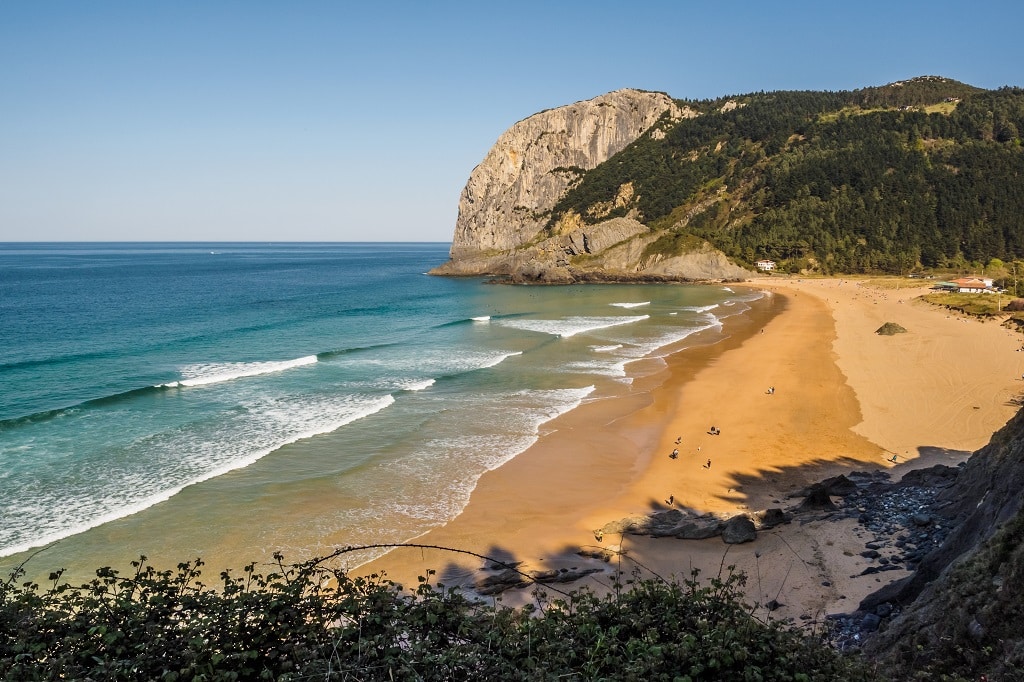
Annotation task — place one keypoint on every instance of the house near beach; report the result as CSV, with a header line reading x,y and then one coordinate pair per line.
x,y
765,265
973,285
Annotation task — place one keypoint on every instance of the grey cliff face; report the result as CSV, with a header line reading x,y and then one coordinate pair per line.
x,y
508,197
506,205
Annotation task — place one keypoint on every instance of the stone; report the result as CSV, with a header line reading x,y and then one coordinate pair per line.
x,y
627,525
738,529
817,499
889,329
599,554
565,575
699,530
840,486
769,518
870,622
499,582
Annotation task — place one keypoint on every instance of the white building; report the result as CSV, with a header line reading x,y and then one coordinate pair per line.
x,y
973,285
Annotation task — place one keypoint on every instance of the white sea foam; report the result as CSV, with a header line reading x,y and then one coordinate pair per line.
x,y
264,427
438,474
630,305
606,349
482,318
612,368
641,348
439,361
418,385
700,308
455,464
571,326
206,374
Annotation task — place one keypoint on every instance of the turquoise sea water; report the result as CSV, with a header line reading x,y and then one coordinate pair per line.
x,y
225,398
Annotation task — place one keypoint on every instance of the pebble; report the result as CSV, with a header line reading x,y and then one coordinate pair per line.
x,y
901,528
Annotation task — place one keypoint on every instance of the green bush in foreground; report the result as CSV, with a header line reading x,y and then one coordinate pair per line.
x,y
309,621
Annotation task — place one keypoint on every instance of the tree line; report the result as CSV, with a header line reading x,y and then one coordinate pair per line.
x,y
925,174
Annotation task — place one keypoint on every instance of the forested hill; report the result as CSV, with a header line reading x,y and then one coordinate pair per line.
x,y
926,172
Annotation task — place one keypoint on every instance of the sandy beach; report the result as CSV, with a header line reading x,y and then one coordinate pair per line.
x,y
845,399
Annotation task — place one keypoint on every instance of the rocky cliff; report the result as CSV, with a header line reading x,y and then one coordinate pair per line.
x,y
959,613
502,227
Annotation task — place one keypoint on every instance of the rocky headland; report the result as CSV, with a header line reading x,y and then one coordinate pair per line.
x,y
505,209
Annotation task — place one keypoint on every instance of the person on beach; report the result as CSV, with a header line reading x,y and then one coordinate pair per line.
x,y
675,453
670,500
708,465
679,439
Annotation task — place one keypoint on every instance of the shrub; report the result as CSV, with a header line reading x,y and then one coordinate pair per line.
x,y
310,621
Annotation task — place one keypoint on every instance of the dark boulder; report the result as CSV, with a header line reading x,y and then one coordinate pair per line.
x,y
699,530
769,518
817,499
738,529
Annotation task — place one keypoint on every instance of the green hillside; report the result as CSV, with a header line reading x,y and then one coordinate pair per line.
x,y
923,173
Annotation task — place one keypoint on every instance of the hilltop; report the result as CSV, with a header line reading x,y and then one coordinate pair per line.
x,y
921,173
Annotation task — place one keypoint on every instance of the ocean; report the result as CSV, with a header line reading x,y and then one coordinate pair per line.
x,y
228,401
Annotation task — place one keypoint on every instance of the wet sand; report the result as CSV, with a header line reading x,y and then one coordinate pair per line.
x,y
845,399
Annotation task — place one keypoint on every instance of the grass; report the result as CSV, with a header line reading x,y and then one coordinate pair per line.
x,y
984,306
941,108
971,304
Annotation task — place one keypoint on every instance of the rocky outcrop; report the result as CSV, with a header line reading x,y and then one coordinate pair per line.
x,y
509,196
615,250
689,525
959,611
499,578
505,208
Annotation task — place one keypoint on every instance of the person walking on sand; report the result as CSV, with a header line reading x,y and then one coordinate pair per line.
x,y
670,500
708,465
679,439
675,453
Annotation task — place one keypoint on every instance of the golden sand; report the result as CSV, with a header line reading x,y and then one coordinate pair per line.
x,y
844,399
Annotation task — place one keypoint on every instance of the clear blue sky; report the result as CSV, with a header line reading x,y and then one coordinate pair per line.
x,y
339,121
